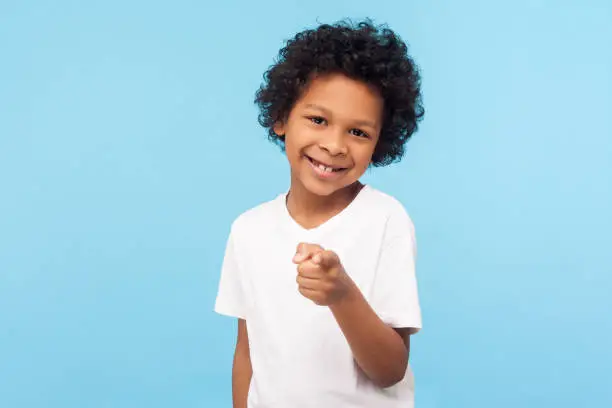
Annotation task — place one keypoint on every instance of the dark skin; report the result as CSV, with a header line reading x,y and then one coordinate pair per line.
x,y
241,369
335,124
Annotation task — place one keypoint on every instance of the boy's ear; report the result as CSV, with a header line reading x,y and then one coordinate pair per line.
x,y
279,129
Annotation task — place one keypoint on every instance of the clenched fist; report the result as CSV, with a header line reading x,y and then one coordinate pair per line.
x,y
320,275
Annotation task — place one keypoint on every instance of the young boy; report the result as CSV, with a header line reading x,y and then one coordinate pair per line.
x,y
322,278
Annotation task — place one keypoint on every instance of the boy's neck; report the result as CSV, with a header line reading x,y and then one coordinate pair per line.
x,y
311,210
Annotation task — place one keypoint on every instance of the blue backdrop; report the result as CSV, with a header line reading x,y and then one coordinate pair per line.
x,y
129,142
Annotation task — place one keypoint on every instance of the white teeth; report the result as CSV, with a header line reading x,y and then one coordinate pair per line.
x,y
322,167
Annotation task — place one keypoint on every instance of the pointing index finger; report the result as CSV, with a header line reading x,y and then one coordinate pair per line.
x,y
305,251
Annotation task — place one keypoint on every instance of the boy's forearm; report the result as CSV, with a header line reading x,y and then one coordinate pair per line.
x,y
242,370
241,379
377,348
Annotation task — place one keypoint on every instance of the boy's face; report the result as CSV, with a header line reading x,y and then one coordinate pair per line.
x,y
331,133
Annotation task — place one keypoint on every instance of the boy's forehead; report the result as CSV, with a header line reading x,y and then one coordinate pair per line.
x,y
344,96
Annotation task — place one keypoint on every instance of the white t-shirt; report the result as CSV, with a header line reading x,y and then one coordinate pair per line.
x,y
299,355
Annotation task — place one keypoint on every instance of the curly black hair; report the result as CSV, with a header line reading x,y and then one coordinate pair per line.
x,y
372,54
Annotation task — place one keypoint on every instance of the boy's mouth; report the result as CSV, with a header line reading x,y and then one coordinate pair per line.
x,y
323,167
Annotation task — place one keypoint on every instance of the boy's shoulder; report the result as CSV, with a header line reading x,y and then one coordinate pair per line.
x,y
385,201
388,205
258,216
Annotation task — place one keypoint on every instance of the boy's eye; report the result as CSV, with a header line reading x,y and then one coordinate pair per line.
x,y
359,133
317,120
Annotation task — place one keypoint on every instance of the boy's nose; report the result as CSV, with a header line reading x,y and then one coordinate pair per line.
x,y
334,144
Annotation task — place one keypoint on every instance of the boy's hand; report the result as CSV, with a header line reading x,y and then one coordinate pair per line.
x,y
321,277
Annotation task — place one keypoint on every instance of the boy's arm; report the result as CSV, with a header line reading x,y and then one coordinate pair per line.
x,y
379,350
241,370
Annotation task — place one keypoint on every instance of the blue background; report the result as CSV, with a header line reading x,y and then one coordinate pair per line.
x,y
129,142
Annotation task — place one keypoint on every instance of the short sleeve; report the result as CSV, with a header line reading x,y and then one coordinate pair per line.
x,y
394,293
231,296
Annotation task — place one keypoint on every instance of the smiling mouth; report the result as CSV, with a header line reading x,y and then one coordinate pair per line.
x,y
323,167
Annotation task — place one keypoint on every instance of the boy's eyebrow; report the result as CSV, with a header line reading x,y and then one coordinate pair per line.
x,y
328,113
325,111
